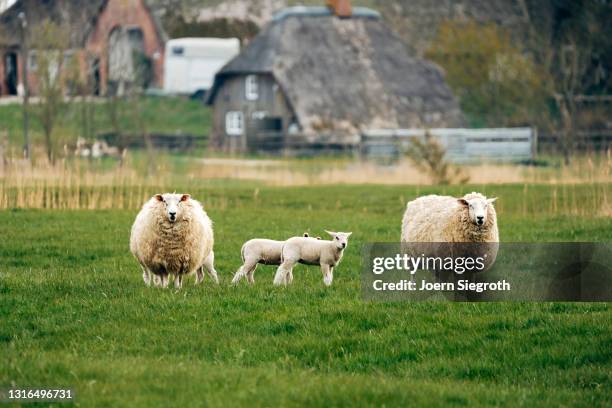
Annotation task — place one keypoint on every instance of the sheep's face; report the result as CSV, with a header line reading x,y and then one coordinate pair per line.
x,y
340,239
478,208
173,204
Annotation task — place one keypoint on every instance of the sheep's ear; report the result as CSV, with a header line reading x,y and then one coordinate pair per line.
x,y
348,234
306,235
185,197
318,238
491,200
463,201
333,234
159,197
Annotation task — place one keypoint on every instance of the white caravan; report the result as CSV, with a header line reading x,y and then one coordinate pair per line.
x,y
191,63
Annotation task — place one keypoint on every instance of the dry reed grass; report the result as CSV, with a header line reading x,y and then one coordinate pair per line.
x,y
82,184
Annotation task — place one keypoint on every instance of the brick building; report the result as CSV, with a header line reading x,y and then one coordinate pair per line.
x,y
112,40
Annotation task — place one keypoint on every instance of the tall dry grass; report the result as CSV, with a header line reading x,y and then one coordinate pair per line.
x,y
580,189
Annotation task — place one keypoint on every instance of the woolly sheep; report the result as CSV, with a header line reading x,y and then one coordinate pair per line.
x,y
311,251
434,218
172,235
259,251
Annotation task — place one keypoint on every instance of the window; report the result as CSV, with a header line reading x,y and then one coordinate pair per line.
x,y
176,50
33,63
234,123
251,88
259,114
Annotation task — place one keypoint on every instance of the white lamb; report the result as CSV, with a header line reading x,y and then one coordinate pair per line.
x,y
259,251
311,251
172,235
434,218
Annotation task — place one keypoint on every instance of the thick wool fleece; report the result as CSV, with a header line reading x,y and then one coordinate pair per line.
x,y
176,248
436,218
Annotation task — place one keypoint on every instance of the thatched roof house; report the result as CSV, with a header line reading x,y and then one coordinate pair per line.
x,y
326,79
98,31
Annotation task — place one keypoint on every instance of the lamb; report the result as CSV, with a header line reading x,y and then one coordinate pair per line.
x,y
172,235
434,218
311,251
259,251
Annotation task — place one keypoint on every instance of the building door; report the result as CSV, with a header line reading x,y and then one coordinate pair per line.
x,y
10,73
128,65
95,76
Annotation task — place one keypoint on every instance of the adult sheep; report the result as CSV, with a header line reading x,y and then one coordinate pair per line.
x,y
468,224
172,235
434,218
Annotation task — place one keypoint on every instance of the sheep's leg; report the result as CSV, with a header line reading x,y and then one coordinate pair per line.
x,y
199,275
157,281
289,278
251,275
328,274
178,281
164,280
146,275
210,268
283,270
245,270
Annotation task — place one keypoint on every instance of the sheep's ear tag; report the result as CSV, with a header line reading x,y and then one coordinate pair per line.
x,y
185,197
463,201
491,200
159,197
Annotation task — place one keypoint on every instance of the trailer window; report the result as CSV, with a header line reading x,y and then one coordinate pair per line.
x,y
251,88
234,123
178,50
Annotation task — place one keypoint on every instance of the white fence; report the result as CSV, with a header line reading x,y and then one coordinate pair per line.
x,y
462,145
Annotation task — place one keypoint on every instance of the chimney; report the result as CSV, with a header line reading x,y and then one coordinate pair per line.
x,y
341,8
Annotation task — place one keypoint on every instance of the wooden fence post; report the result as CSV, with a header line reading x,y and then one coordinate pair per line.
x,y
534,143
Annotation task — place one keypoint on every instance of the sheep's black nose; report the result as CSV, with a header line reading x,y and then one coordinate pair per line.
x,y
173,214
480,217
343,245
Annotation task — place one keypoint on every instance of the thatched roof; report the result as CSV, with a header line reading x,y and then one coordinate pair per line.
x,y
79,18
346,74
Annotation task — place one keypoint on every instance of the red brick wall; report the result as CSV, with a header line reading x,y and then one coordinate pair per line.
x,y
126,13
2,84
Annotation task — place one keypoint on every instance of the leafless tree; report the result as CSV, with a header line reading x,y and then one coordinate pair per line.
x,y
429,156
49,43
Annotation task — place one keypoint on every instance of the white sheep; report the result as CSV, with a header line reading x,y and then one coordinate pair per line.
x,y
172,235
259,251
434,218
311,251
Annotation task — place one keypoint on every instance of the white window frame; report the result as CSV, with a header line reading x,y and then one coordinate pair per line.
x,y
251,88
32,60
259,115
234,123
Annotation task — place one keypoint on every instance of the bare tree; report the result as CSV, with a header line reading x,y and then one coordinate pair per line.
x,y
573,63
428,155
53,71
132,73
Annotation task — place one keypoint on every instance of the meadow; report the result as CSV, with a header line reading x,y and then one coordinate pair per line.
x,y
74,311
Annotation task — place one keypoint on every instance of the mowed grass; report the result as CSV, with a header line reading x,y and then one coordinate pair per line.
x,y
74,312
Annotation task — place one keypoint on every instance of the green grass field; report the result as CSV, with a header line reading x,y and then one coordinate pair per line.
x,y
74,312
161,115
